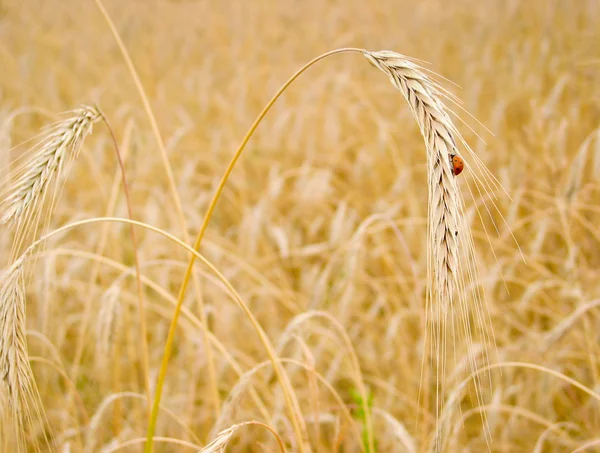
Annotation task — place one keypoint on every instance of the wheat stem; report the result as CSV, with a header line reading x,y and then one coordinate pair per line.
x,y
140,289
176,199
292,405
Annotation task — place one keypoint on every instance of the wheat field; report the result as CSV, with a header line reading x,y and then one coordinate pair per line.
x,y
340,300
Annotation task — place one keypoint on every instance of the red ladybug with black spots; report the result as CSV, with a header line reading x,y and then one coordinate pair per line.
x,y
457,163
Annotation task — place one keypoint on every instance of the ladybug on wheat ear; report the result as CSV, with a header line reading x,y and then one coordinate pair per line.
x,y
457,163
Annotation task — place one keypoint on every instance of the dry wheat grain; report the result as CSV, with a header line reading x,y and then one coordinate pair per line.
x,y
27,186
438,131
447,230
14,364
16,376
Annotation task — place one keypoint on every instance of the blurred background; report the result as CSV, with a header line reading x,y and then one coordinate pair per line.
x,y
326,211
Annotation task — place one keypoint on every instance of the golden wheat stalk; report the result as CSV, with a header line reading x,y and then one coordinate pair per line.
x,y
447,230
27,186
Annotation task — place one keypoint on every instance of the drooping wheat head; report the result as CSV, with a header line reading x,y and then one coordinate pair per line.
x,y
40,170
451,260
438,132
22,195
20,398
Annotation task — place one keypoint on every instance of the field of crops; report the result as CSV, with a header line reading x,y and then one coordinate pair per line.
x,y
383,267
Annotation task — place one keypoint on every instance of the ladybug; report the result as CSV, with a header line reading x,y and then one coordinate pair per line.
x,y
458,164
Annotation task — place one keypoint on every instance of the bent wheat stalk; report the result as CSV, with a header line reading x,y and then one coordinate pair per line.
x,y
445,207
21,198
290,398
